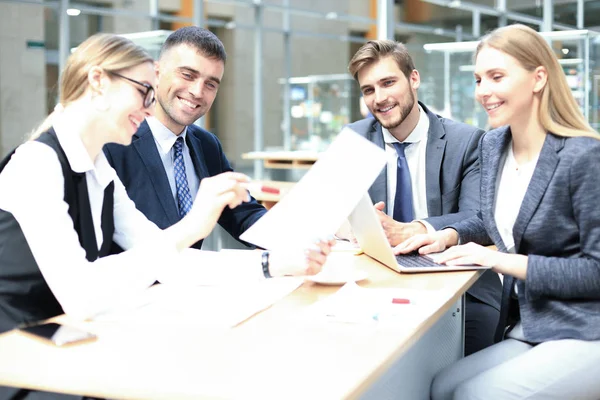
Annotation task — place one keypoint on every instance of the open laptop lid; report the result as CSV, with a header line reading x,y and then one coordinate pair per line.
x,y
372,240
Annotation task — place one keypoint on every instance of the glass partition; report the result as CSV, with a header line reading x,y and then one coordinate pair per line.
x,y
320,106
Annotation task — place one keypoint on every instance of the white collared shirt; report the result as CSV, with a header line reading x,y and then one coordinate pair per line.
x,y
32,189
98,175
165,139
416,159
513,180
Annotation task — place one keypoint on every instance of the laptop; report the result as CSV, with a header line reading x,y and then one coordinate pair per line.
x,y
372,240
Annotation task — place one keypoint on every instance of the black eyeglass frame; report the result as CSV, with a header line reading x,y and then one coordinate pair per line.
x,y
148,97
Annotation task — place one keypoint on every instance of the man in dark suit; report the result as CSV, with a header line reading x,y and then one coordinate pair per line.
x,y
432,176
169,156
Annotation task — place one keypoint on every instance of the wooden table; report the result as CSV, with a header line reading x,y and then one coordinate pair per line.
x,y
284,159
277,354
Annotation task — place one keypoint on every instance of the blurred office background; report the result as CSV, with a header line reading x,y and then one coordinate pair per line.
x,y
286,84
276,47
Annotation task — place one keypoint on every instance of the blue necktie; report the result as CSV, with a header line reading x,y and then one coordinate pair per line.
x,y
184,198
403,203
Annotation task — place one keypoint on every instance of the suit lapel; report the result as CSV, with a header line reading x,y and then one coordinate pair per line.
x,y
146,147
544,170
378,190
436,146
196,153
493,150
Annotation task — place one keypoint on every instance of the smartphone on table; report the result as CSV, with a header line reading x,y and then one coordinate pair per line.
x,y
57,334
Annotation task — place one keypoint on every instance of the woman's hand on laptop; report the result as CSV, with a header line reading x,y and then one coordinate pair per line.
x,y
428,243
472,253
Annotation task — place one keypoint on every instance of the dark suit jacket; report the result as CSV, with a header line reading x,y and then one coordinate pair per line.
x,y
558,228
452,181
141,170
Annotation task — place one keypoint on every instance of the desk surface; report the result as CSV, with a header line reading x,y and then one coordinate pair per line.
x,y
274,355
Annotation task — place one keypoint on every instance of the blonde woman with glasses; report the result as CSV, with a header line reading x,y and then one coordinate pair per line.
x,y
540,184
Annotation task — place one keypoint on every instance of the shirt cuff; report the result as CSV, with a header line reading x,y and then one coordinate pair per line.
x,y
427,225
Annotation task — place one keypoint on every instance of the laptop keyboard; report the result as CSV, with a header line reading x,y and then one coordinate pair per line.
x,y
415,260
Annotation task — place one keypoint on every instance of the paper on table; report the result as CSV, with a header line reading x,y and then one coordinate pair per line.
x,y
355,304
207,268
320,202
215,306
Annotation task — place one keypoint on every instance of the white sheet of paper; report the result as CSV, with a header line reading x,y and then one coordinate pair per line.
x,y
320,202
209,268
221,306
355,304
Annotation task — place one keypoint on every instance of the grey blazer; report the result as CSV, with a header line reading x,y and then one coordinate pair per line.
x,y
558,228
451,179
452,168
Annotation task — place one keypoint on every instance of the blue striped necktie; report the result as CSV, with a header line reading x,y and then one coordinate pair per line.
x,y
184,198
403,202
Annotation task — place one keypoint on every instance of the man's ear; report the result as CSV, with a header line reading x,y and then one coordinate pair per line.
x,y
541,79
157,69
415,79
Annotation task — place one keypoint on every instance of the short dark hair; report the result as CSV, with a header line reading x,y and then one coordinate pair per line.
x,y
375,50
203,40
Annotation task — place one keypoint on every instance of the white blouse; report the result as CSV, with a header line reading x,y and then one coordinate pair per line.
x,y
513,180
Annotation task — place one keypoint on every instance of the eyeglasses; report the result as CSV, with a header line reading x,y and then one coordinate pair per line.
x,y
148,96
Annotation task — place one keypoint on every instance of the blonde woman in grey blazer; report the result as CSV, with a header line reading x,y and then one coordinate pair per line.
x,y
540,184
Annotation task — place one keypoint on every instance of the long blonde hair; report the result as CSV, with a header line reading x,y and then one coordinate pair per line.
x,y
558,110
110,52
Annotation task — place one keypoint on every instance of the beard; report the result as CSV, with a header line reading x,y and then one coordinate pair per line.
x,y
169,109
404,111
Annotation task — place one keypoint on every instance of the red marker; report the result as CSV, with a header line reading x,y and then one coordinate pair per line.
x,y
258,187
400,301
269,189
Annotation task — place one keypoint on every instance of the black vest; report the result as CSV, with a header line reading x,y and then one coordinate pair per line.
x,y
24,294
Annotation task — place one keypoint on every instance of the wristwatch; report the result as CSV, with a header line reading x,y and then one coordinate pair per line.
x,y
265,264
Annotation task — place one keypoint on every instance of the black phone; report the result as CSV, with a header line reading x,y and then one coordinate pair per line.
x,y
57,334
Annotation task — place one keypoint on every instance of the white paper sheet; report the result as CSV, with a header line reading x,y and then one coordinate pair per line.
x,y
320,202
208,268
355,304
221,306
